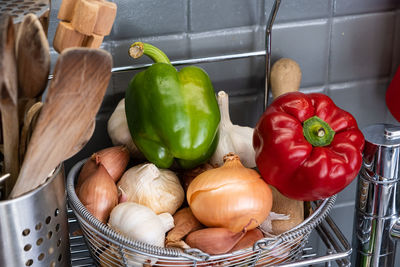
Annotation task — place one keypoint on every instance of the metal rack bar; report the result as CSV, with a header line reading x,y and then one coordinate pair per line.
x,y
338,248
268,46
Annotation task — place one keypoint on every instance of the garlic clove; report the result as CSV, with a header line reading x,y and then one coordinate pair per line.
x,y
167,221
122,197
233,138
139,223
117,128
158,189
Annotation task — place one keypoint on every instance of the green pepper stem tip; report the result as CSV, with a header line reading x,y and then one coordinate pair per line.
x,y
136,50
139,49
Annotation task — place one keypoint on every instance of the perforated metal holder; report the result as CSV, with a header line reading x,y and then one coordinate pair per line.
x,y
34,227
19,8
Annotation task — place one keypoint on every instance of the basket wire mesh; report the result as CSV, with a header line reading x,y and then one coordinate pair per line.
x,y
109,248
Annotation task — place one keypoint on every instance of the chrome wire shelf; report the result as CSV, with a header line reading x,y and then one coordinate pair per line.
x,y
337,248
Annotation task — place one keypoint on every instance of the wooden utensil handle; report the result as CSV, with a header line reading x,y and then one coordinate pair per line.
x,y
285,77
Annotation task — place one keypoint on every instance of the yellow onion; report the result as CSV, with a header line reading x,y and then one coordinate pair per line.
x,y
114,159
214,240
231,196
248,239
99,194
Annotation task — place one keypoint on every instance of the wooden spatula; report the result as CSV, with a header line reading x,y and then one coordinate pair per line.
x,y
83,140
393,96
81,76
8,99
33,62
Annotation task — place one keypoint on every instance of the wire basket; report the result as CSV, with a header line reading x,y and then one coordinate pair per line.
x,y
109,248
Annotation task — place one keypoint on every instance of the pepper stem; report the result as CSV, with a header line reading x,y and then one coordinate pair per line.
x,y
317,132
139,49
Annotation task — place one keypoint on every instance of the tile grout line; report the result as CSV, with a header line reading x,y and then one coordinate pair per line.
x,y
395,38
188,33
328,68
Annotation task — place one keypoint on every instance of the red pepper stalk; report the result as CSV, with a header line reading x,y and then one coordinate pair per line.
x,y
307,147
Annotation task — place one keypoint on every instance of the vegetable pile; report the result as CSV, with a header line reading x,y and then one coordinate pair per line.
x,y
181,174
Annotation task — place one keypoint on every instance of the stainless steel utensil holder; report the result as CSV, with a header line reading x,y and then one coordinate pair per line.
x,y
34,226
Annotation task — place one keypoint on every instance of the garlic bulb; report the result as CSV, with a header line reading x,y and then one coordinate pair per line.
x,y
117,128
158,189
141,223
233,138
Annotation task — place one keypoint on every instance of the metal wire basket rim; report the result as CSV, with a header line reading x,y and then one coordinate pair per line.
x,y
166,253
41,187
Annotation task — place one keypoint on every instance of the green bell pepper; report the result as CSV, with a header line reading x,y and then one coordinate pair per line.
x,y
171,114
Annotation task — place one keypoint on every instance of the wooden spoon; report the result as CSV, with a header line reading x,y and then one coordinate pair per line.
x,y
30,120
81,76
285,77
33,62
30,123
8,99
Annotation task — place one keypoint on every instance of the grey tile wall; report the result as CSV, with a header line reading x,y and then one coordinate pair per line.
x,y
348,50
364,99
345,7
149,17
206,15
362,47
308,44
291,10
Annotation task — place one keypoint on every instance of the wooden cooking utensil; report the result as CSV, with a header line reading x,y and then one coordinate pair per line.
x,y
8,99
285,77
33,62
84,23
30,120
83,140
81,76
30,123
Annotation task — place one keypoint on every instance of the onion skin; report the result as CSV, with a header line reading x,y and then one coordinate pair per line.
x,y
214,240
87,170
114,159
99,194
248,239
188,175
230,196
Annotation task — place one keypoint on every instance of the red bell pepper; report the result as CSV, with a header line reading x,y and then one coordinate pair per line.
x,y
307,147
